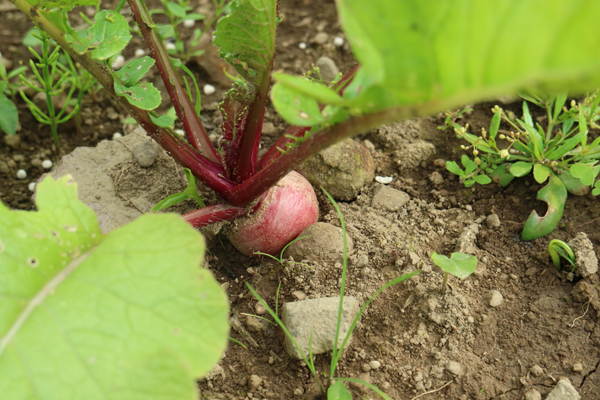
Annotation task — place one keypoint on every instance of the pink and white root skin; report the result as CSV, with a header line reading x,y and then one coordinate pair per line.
x,y
284,211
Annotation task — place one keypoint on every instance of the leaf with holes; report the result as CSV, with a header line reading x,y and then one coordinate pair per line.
x,y
143,95
555,195
107,36
130,315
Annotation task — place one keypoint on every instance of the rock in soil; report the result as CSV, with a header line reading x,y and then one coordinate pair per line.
x,y
318,316
324,241
327,69
146,153
12,141
389,199
533,395
585,257
495,299
563,390
342,169
493,221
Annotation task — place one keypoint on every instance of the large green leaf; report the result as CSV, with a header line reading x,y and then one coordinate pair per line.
x,y
555,195
439,54
107,36
247,38
460,265
131,315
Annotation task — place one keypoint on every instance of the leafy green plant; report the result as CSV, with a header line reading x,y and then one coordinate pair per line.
x,y
82,81
76,305
334,388
9,115
460,265
50,82
10,88
557,247
190,192
408,68
280,259
559,154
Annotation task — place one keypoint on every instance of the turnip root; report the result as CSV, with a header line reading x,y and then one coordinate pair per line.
x,y
283,212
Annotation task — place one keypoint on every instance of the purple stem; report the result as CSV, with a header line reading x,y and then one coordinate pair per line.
x,y
214,213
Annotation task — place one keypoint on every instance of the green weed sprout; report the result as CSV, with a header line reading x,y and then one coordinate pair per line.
x,y
460,265
82,81
337,390
558,154
190,192
50,72
558,247
280,259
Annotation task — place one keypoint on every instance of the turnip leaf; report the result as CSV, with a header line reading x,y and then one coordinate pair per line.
x,y
131,315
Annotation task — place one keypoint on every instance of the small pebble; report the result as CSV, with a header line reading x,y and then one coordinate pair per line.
x,y
386,385
253,324
536,371
493,221
302,46
375,364
260,309
454,368
139,52
180,132
31,186
495,298
321,38
21,174
12,141
119,62
577,367
46,164
254,382
189,23
117,135
436,178
170,46
468,207
338,42
366,367
533,394
299,295
208,89
384,179
145,154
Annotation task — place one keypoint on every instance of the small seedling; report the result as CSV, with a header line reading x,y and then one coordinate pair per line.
x,y
558,154
280,260
558,247
334,388
460,265
190,192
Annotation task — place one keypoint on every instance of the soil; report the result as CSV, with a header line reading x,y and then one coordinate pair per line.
x,y
430,345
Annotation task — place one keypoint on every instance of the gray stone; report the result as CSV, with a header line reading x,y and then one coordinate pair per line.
x,y
327,69
324,241
254,382
268,128
145,153
253,324
12,141
536,371
321,38
585,257
578,367
495,298
533,394
454,368
36,162
362,261
563,390
260,309
375,364
389,199
342,169
436,178
493,221
318,316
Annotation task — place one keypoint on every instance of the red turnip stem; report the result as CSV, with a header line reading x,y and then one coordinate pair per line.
x,y
194,130
214,213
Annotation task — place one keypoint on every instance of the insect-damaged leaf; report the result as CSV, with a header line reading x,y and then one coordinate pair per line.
x,y
130,315
555,195
143,95
134,70
107,36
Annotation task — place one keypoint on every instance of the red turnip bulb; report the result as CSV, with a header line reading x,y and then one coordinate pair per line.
x,y
284,211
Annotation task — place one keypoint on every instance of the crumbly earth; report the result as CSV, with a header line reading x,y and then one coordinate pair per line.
x,y
454,345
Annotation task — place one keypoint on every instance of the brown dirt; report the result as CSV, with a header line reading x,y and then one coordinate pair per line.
x,y
417,334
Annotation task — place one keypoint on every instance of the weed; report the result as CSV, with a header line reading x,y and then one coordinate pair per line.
x,y
460,265
558,247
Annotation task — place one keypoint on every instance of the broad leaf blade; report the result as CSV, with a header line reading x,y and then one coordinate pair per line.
x,y
9,116
247,38
83,316
457,51
134,70
555,195
143,95
460,265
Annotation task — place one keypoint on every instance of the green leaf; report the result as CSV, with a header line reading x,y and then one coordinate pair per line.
x,y
470,167
131,315
573,185
540,173
246,38
408,50
566,146
460,265
165,31
65,3
499,175
482,179
454,168
559,102
596,191
495,124
134,70
555,195
583,172
143,95
312,89
9,116
469,182
107,37
190,192
338,391
195,16
521,168
295,107
176,9
164,121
